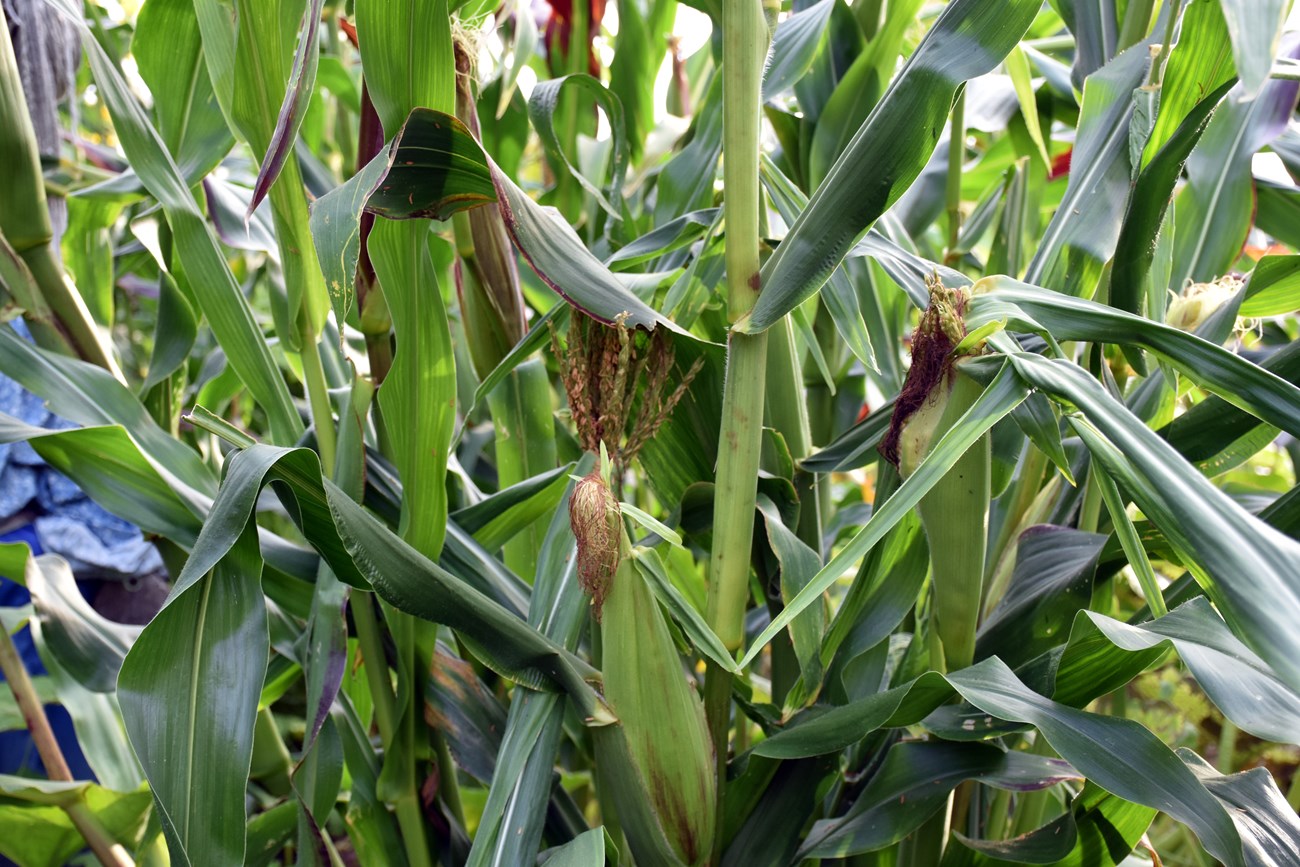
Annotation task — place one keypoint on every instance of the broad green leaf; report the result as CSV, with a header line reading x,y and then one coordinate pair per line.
x,y
219,296
1200,62
671,236
461,708
1054,572
1214,209
169,49
970,38
1238,682
587,850
858,91
38,832
795,45
1230,376
510,829
494,520
189,691
1116,754
998,399
434,169
410,62
1248,568
1131,268
88,646
418,396
1273,288
1255,27
913,783
840,295
1099,831
1082,233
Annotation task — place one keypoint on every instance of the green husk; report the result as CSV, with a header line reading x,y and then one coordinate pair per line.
x,y
955,511
661,715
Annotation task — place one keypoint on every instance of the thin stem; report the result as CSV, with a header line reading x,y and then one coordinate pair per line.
x,y
322,413
1156,74
1130,542
410,818
106,849
952,189
376,665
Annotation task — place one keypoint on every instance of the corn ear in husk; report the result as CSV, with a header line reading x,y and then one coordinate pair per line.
x,y
955,511
661,717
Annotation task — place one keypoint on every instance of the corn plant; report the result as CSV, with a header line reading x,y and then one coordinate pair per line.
x,y
719,433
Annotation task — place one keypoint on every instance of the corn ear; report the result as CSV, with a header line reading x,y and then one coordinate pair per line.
x,y
660,713
954,513
955,517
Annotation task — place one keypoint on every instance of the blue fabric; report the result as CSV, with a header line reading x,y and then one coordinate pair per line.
x,y
17,754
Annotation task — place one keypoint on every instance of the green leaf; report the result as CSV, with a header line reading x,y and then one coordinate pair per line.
x,y
168,47
913,783
1052,581
1200,62
970,38
1255,27
219,296
1131,277
410,63
435,168
1273,288
795,44
1099,831
496,519
998,399
1081,235
840,295
541,111
586,850
651,567
1238,682
189,690
1213,212
38,833
1230,376
88,646
1248,568
418,396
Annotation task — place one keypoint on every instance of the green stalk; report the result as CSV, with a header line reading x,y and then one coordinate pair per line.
x,y
101,843
1156,75
744,47
60,319
952,185
409,816
322,413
